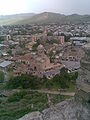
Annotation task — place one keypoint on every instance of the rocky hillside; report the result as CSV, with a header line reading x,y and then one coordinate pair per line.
x,y
67,110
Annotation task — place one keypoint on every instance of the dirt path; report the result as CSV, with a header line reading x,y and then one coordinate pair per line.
x,y
55,92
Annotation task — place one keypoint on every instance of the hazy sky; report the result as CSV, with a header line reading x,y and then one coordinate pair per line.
x,y
38,6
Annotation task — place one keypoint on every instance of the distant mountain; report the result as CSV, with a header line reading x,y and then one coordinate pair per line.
x,y
43,18
14,19
46,17
75,18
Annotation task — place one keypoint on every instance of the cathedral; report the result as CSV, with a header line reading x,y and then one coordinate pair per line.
x,y
35,63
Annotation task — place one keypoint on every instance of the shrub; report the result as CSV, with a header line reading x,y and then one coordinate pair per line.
x,y
17,96
1,76
24,81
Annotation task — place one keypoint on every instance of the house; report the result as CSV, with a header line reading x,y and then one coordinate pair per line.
x,y
4,65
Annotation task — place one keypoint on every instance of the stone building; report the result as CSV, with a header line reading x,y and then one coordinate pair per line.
x,y
36,63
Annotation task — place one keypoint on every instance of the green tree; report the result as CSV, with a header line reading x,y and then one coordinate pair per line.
x,y
63,71
9,52
17,96
2,76
50,34
24,81
51,54
34,47
74,76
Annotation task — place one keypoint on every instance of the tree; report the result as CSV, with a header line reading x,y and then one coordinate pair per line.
x,y
74,76
51,54
50,34
24,81
63,71
9,52
34,47
1,76
67,37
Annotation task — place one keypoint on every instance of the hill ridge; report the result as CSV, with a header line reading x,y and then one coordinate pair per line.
x,y
43,18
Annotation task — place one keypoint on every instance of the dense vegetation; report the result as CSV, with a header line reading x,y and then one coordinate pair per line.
x,y
63,81
1,76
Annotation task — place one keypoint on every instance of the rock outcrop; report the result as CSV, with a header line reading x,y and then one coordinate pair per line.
x,y
77,108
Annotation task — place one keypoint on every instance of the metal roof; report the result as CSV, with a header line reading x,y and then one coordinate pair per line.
x,y
80,38
5,63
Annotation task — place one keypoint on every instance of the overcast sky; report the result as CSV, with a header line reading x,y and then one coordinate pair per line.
x,y
38,6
